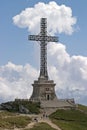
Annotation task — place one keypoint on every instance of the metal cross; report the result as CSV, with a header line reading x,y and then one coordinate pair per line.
x,y
43,38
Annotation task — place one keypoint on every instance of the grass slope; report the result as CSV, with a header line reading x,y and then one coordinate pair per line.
x,y
41,126
8,120
70,119
14,106
65,119
83,108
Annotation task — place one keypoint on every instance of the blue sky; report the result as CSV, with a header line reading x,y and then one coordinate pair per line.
x,y
19,58
14,45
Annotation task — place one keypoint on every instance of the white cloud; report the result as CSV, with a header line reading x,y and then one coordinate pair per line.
x,y
68,72
15,81
59,16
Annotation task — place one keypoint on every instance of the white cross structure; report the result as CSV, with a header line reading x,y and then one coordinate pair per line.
x,y
43,38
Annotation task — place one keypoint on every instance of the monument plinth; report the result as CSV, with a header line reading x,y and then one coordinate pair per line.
x,y
43,90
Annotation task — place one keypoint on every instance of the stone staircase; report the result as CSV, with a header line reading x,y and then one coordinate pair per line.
x,y
49,111
58,103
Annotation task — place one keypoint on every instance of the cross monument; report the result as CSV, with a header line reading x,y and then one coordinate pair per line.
x,y
43,88
43,38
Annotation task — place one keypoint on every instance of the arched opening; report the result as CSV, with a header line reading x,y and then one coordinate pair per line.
x,y
48,97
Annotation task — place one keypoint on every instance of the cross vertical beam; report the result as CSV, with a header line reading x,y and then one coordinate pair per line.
x,y
43,46
43,38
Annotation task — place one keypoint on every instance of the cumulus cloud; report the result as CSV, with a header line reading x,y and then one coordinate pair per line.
x,y
15,81
68,72
59,18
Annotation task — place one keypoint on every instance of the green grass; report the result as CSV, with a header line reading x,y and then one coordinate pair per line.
x,y
33,107
82,107
70,119
66,125
6,113
65,119
8,120
41,126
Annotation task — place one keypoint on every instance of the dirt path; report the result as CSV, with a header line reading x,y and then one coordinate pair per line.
x,y
33,123
38,120
45,120
49,122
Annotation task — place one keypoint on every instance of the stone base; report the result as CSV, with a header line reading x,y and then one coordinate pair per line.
x,y
43,90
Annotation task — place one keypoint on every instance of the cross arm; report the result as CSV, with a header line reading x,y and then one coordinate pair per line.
x,y
43,38
34,37
51,39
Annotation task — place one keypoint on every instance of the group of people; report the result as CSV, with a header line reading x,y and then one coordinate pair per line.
x,y
42,117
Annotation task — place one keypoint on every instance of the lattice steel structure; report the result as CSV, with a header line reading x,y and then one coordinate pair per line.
x,y
43,38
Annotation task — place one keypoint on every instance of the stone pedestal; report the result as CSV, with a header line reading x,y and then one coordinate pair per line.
x,y
43,90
